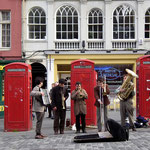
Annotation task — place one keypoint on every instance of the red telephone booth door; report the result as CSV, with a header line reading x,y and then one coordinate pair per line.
x,y
83,71
17,82
145,103
16,96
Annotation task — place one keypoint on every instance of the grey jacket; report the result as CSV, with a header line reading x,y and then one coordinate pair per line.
x,y
37,106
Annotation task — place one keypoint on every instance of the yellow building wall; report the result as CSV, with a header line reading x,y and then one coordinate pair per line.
x,y
103,59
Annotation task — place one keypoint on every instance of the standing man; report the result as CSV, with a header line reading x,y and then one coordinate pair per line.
x,y
79,95
100,92
126,106
59,97
38,106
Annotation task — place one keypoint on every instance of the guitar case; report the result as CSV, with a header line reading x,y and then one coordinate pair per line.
x,y
115,133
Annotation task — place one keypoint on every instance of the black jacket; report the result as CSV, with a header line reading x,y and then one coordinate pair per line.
x,y
57,96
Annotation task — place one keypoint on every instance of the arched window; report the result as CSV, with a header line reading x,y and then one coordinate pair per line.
x,y
147,24
123,23
37,23
95,24
67,23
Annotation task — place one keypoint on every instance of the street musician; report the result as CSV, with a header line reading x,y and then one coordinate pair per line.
x,y
100,93
79,95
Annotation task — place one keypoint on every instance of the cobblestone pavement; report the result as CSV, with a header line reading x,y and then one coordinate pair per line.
x,y
25,140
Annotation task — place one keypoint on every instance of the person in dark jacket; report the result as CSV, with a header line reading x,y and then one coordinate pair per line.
x,y
38,106
59,97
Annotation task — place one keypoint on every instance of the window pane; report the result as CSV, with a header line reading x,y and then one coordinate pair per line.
x,y
90,19
69,35
75,35
91,35
115,28
147,19
126,35
100,28
100,20
95,20
31,35
75,19
115,35
37,20
127,27
100,35
43,28
120,19
69,19
127,19
58,28
132,19
75,27
147,27
95,28
43,20
69,27
64,35
37,35
31,28
30,19
63,19
132,35
58,36
132,27
120,35
120,27
43,35
58,20
114,19
63,27
147,35
37,28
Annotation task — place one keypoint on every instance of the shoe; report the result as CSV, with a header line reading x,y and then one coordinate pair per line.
x,y
133,129
52,117
38,137
84,131
56,132
61,132
44,136
77,131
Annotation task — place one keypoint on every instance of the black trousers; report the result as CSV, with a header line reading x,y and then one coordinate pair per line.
x,y
82,116
39,116
59,120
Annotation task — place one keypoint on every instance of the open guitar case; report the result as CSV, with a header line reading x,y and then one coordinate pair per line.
x,y
115,133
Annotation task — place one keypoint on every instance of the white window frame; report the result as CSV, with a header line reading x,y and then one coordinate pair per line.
x,y
7,36
96,24
34,24
148,24
66,24
125,9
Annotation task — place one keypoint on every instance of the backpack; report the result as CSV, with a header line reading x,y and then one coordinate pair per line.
x,y
118,132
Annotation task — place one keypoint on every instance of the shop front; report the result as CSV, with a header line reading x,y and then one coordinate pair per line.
x,y
112,66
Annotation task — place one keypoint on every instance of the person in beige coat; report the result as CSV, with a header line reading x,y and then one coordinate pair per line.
x,y
79,95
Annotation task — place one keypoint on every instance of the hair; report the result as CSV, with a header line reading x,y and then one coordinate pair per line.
x,y
78,83
100,79
38,80
62,81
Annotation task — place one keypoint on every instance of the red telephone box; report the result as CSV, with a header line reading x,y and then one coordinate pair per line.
x,y
143,86
83,70
18,103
